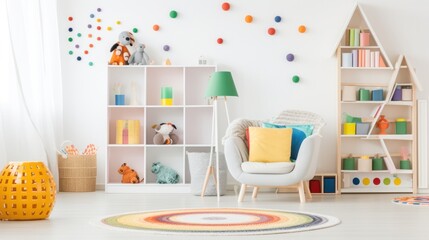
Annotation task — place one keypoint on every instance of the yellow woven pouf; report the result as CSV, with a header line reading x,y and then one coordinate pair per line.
x,y
27,191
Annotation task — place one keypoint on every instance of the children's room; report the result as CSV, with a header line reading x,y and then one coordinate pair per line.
x,y
187,119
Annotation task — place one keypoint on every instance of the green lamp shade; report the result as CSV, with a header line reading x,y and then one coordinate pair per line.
x,y
221,84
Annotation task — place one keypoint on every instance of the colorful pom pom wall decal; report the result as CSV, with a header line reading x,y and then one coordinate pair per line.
x,y
155,27
219,40
173,13
118,22
78,44
295,79
166,48
302,29
135,30
271,31
278,19
226,6
290,57
248,18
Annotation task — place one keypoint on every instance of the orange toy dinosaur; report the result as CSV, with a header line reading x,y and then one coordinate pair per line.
x,y
128,174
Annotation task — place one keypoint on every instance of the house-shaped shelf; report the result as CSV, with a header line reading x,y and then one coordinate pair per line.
x,y
358,21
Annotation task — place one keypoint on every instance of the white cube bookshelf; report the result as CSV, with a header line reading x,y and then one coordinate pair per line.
x,y
190,112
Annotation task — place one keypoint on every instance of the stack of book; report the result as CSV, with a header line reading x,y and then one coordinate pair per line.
x,y
362,58
356,37
127,132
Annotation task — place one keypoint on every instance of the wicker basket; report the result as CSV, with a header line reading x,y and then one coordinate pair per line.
x,y
77,173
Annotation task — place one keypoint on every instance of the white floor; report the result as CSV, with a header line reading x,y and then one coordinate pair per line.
x,y
363,216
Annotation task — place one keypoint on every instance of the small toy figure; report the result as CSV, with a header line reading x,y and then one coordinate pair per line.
x,y
128,174
120,51
165,134
164,174
139,57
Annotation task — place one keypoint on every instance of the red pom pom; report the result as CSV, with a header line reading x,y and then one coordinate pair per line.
x,y
226,6
271,31
220,40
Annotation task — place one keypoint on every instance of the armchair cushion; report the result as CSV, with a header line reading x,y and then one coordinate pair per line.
x,y
270,144
300,132
268,168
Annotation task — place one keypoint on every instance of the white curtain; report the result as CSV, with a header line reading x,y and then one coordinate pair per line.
x,y
30,82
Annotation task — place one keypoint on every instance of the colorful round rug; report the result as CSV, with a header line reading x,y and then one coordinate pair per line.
x,y
220,221
412,200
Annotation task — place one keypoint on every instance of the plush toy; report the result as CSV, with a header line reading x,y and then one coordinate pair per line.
x,y
164,134
120,51
128,174
164,174
139,57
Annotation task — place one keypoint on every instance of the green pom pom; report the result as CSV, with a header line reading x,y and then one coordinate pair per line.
x,y
70,39
135,30
173,14
295,79
71,52
91,64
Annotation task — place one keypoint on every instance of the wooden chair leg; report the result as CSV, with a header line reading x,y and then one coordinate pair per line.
x,y
307,189
242,192
255,192
210,170
301,192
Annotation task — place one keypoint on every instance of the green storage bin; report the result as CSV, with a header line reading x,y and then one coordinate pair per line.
x,y
364,95
349,163
401,126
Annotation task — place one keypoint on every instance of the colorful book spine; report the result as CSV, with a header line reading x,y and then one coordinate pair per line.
x,y
364,39
357,37
376,59
354,58
127,131
347,60
367,58
347,35
352,37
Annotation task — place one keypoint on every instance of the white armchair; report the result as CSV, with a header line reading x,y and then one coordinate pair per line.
x,y
295,174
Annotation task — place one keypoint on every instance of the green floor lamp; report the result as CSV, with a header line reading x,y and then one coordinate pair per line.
x,y
221,84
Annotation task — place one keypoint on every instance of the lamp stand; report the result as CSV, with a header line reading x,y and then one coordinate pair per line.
x,y
214,142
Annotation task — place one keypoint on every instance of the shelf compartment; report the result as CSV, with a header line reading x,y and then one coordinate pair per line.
x,y
171,157
132,156
122,113
376,181
165,77
131,81
198,131
164,115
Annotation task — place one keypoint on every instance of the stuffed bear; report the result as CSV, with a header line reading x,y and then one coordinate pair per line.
x,y
165,135
139,57
164,174
120,51
128,174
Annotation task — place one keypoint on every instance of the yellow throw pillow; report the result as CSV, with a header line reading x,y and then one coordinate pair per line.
x,y
270,144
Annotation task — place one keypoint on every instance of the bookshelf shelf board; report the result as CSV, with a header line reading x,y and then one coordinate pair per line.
x,y
362,102
360,47
366,68
125,145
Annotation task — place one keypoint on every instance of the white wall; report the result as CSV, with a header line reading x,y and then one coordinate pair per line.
x,y
257,60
